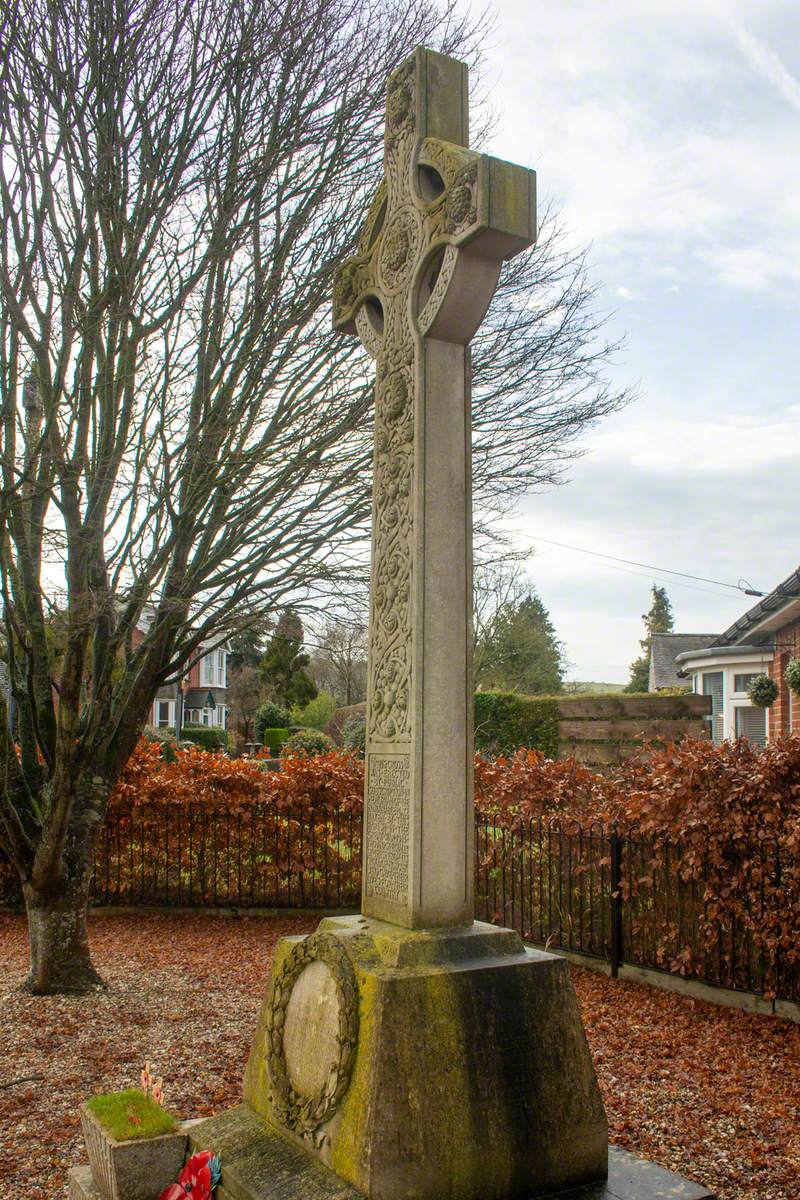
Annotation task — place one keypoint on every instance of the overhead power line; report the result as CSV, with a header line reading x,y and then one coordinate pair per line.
x,y
741,586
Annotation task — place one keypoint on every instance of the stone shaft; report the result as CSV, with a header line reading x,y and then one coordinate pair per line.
x,y
428,261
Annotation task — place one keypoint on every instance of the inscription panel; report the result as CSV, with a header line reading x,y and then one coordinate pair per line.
x,y
387,834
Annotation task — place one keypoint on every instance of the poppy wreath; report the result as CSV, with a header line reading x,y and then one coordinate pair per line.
x,y
197,1179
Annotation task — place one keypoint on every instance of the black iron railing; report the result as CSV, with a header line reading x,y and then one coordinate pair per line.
x,y
619,898
643,901
259,857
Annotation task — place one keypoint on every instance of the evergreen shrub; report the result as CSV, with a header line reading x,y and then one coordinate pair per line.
x,y
274,738
508,721
206,736
308,741
270,716
316,713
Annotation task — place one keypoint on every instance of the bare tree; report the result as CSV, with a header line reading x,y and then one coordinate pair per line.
x,y
244,696
339,659
180,431
177,181
538,376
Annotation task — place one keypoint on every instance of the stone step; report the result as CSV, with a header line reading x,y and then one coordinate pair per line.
x,y
632,1178
259,1164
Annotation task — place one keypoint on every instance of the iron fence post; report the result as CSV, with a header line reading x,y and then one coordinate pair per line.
x,y
616,902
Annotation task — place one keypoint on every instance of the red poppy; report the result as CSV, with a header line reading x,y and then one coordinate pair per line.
x,y
197,1179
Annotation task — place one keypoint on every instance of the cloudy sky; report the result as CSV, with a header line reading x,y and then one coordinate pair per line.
x,y
668,134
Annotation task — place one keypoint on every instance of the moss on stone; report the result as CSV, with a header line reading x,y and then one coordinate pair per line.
x,y
130,1115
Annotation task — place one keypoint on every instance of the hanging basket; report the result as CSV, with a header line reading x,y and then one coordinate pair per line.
x,y
763,691
792,675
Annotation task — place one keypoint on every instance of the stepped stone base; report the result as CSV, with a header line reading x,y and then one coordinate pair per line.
x,y
419,1065
423,1064
260,1164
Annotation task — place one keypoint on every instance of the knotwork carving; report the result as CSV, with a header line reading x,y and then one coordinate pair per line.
x,y
399,249
460,207
400,100
420,282
305,1114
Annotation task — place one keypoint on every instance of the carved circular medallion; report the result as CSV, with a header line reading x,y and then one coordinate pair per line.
x,y
399,249
396,395
312,1034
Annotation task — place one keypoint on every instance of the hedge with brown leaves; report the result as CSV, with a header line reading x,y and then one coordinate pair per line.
x,y
719,824
718,827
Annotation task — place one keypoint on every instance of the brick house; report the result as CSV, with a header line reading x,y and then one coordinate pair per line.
x,y
762,641
206,680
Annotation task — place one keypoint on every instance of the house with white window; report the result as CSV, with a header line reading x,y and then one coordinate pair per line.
x,y
761,642
202,691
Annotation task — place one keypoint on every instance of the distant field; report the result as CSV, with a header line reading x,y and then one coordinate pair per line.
x,y
576,687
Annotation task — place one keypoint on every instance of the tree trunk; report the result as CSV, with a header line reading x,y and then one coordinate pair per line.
x,y
59,940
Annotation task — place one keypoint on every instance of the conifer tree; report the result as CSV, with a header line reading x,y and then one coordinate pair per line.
x,y
659,619
518,650
283,666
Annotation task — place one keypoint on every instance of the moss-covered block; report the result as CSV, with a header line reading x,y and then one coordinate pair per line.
x,y
472,1077
131,1169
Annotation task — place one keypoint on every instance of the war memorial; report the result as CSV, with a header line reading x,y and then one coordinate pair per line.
x,y
409,1052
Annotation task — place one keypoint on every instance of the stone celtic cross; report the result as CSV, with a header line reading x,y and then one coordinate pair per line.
x,y
425,270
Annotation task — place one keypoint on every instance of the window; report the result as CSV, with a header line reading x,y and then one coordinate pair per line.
x,y
207,670
751,723
221,667
742,682
164,716
712,686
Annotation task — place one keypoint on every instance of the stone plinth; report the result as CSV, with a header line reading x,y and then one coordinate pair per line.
x,y
262,1165
429,1063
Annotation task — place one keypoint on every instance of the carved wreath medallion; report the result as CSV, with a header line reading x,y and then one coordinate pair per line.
x,y
399,249
305,1114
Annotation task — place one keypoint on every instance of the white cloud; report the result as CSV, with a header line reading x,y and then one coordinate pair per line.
x,y
725,445
768,64
663,121
667,131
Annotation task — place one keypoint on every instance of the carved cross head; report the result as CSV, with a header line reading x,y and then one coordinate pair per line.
x,y
442,221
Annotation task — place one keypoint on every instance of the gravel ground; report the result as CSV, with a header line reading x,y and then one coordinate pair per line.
x,y
707,1091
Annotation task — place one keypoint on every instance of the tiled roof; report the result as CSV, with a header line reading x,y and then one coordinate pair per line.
x,y
663,649
783,594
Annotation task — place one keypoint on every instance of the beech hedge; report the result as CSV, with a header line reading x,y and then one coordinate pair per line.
x,y
723,815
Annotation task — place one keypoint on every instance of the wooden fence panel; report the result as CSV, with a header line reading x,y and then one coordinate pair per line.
x,y
629,730
603,730
650,706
